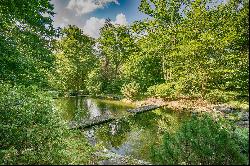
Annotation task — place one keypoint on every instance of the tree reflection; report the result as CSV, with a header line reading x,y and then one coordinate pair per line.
x,y
113,134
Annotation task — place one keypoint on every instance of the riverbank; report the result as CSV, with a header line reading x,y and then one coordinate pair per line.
x,y
235,111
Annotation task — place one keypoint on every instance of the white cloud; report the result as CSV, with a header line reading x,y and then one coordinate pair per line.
x,y
65,20
120,19
93,24
86,6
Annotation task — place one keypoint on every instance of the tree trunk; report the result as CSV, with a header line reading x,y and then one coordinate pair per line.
x,y
203,85
78,79
165,74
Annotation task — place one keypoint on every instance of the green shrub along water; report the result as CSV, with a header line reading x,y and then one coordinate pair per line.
x,y
131,90
32,132
203,140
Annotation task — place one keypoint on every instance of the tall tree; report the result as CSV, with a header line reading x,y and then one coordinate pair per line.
x,y
167,15
117,45
26,33
202,43
75,58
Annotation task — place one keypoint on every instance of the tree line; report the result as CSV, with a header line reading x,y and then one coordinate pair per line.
x,y
197,49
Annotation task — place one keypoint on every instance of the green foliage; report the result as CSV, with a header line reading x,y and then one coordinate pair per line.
x,y
131,90
173,89
203,140
77,151
74,59
192,48
243,139
195,45
144,69
163,10
161,90
113,86
94,82
221,96
25,41
32,132
30,128
116,45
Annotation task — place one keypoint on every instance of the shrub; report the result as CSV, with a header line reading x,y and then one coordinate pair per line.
x,y
202,140
114,86
220,96
131,90
77,151
30,129
161,90
175,89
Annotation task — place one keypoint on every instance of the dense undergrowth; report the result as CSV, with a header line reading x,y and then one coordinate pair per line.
x,y
203,140
32,131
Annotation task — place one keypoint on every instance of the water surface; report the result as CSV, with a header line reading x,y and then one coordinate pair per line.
x,y
133,135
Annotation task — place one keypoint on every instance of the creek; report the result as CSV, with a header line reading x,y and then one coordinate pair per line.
x,y
128,136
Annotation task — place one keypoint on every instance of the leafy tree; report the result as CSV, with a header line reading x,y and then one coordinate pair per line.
x,y
197,47
31,131
144,67
116,44
75,58
94,82
25,41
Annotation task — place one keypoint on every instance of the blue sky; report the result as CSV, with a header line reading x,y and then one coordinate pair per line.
x,y
91,14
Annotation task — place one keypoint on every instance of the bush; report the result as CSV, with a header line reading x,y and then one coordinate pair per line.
x,y
113,86
220,96
202,140
177,88
30,130
131,90
162,90
77,151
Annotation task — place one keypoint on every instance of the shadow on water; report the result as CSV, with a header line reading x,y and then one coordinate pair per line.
x,y
132,135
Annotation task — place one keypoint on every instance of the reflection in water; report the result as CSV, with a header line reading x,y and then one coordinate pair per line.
x,y
114,128
91,136
136,134
132,135
80,108
94,111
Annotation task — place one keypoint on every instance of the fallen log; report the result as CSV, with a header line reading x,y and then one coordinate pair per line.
x,y
89,122
100,120
144,108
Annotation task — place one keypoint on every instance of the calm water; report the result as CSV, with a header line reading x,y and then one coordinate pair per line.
x,y
132,135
